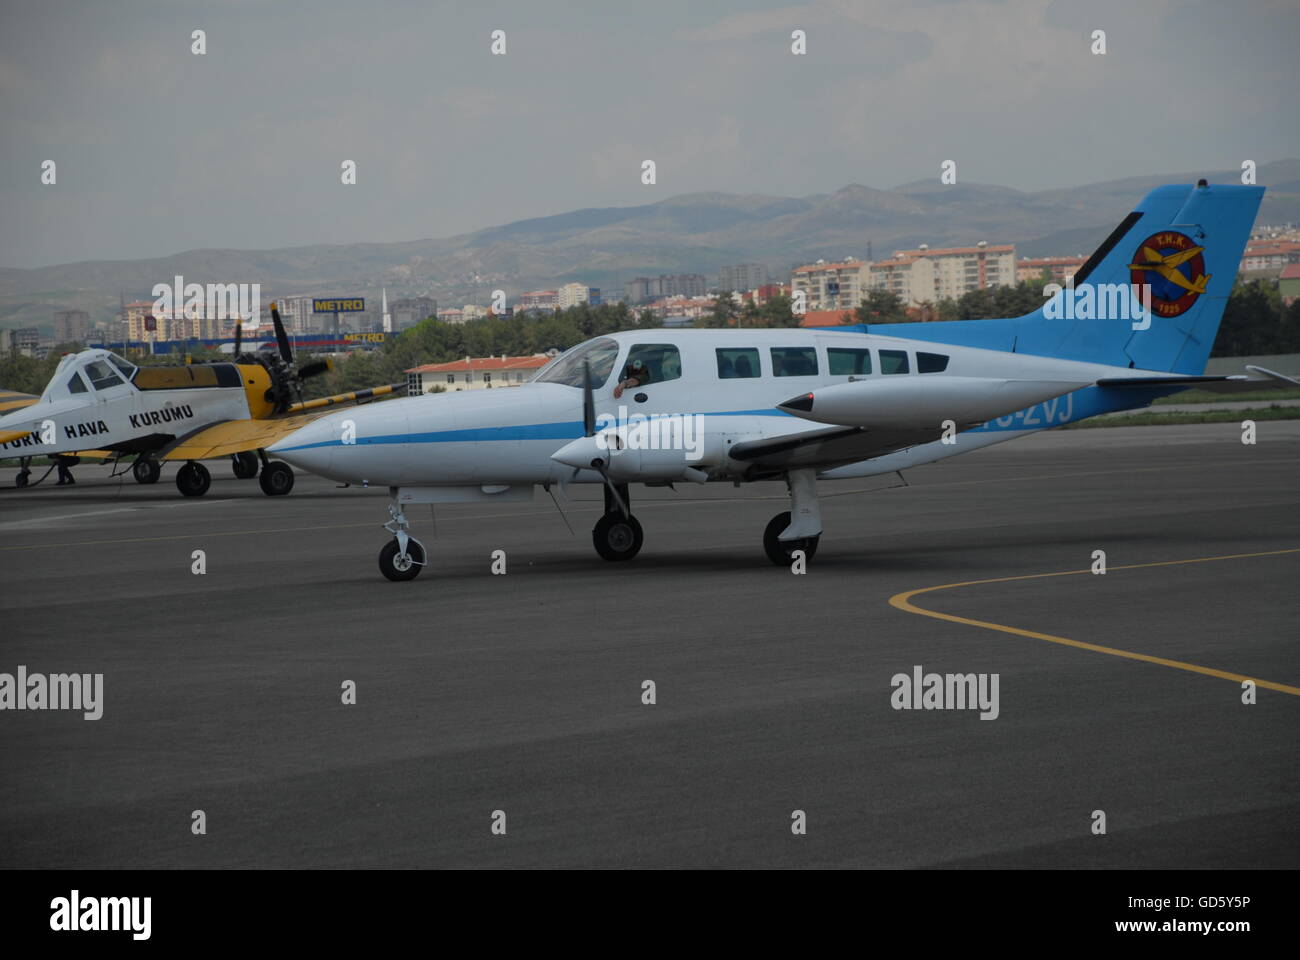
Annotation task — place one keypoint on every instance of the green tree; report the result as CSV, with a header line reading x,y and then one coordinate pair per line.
x,y
880,306
1253,322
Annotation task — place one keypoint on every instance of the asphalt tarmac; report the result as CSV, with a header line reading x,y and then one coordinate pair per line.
x,y
523,693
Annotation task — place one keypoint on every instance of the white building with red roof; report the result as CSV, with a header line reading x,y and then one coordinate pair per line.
x,y
473,373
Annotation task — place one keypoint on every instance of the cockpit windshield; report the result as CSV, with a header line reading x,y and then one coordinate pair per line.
x,y
128,369
599,355
101,375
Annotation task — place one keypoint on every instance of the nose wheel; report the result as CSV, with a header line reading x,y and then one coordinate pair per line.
x,y
403,557
398,564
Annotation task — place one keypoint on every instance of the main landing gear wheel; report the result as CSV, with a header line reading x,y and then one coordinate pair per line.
x,y
146,470
396,565
617,537
193,479
276,479
780,551
244,464
22,479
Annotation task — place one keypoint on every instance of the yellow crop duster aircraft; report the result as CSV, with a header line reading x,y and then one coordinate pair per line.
x,y
98,404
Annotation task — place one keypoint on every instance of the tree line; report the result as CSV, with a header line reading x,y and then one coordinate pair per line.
x,y
1255,322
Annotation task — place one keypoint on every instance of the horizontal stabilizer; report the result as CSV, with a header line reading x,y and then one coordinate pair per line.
x,y
1234,384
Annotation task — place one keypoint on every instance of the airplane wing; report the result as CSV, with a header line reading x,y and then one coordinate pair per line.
x,y
11,400
829,448
235,436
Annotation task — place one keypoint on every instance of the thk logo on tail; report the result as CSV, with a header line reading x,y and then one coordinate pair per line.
x,y
1172,265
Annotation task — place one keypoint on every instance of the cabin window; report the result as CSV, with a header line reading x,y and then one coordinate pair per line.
x,y
598,355
652,363
848,361
893,361
101,375
76,384
738,363
931,362
794,361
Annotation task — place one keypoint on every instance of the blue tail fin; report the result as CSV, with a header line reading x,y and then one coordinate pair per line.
x,y
1185,243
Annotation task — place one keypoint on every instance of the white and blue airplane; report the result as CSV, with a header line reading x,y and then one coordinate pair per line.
x,y
801,405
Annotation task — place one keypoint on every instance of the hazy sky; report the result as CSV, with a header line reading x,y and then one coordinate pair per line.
x,y
158,150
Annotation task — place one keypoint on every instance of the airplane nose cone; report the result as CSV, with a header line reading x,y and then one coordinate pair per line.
x,y
309,448
582,453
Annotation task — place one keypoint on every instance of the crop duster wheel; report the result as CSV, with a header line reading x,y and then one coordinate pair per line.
x,y
193,479
244,464
779,551
617,537
146,470
276,479
398,567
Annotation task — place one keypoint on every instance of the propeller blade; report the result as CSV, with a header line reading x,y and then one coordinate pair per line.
x,y
282,338
588,403
313,369
239,335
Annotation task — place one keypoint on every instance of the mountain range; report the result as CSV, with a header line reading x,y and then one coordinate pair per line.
x,y
603,247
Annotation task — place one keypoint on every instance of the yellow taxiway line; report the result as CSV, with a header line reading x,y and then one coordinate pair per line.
x,y
902,601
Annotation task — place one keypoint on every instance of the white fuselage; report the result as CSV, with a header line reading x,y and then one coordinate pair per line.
x,y
91,404
510,436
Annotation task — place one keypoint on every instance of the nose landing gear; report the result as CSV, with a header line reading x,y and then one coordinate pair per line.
x,y
402,557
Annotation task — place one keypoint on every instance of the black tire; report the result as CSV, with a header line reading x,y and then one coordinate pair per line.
x,y
400,570
146,470
276,479
617,537
780,552
22,479
244,465
193,479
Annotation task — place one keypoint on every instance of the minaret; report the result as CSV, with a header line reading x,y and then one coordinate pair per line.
x,y
388,320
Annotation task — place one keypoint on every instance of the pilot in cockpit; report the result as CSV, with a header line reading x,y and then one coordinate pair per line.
x,y
635,374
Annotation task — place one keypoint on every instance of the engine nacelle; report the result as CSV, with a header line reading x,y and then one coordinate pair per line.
x,y
918,402
662,448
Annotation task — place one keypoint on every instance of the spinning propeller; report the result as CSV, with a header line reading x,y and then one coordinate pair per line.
x,y
599,464
286,381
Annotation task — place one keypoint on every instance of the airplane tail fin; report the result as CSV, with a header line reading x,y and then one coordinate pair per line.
x,y
1185,244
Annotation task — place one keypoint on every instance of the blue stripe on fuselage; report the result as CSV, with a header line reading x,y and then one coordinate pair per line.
x,y
568,430
1079,405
